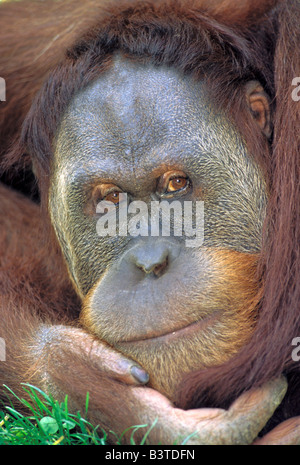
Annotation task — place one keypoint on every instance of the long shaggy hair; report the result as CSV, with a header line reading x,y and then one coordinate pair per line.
x,y
227,46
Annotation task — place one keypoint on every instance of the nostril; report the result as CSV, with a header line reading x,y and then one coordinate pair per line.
x,y
151,258
161,268
157,269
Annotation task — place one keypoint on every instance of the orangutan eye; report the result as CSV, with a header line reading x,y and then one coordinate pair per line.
x,y
113,197
177,184
172,183
106,193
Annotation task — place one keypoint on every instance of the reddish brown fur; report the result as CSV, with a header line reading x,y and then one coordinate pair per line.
x,y
262,44
31,297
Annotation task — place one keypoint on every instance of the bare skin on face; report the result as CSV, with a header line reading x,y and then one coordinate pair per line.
x,y
141,131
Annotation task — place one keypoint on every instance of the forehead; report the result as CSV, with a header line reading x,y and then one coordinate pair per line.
x,y
133,107
133,90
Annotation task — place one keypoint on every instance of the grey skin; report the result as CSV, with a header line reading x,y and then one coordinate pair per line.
x,y
128,128
121,129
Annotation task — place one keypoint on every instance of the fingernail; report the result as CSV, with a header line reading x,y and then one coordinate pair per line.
x,y
139,374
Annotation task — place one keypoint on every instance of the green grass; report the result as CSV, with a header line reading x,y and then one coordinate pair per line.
x,y
49,423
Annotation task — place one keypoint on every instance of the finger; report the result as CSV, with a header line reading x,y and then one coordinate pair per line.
x,y
75,343
285,434
117,366
251,411
108,360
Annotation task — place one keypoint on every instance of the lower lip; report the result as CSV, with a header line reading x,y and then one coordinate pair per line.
x,y
190,330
